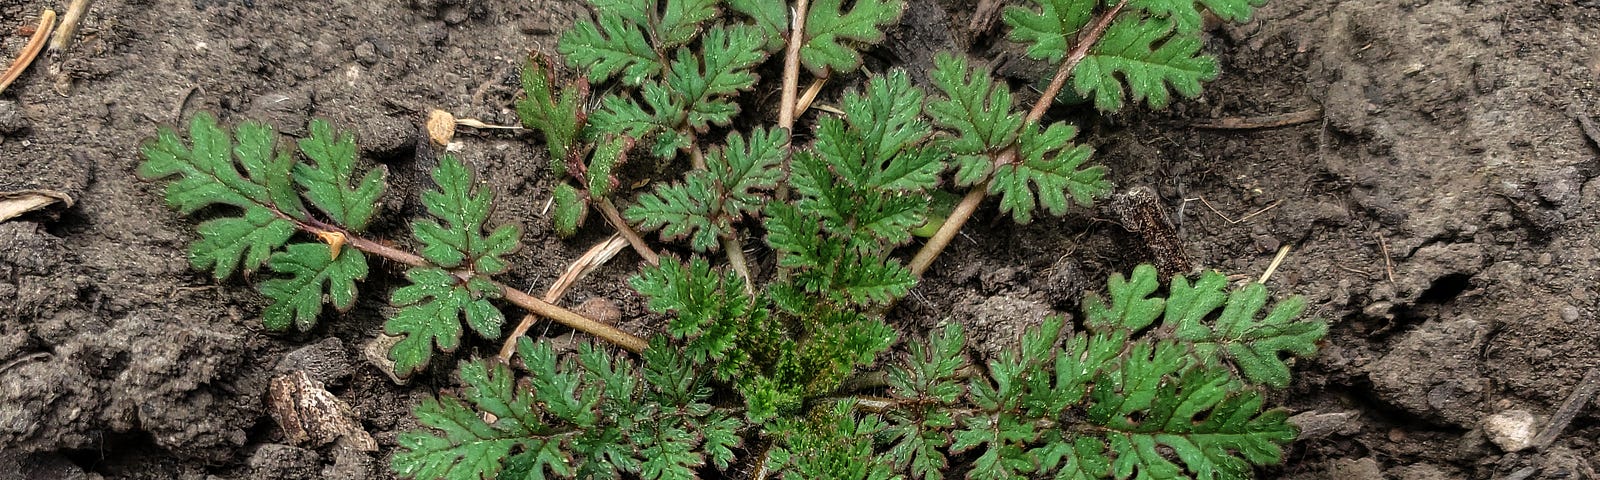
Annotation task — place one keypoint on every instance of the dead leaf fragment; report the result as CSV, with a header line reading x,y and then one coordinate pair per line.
x,y
15,203
312,417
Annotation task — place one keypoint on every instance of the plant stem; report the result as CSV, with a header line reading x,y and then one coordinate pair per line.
x,y
735,250
791,67
592,259
969,204
609,210
1075,57
517,297
791,85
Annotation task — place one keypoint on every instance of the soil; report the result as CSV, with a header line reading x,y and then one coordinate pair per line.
x,y
1433,184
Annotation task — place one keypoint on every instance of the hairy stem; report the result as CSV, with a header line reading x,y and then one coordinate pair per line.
x,y
614,217
969,204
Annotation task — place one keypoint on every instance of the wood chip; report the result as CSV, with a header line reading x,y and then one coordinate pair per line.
x,y
312,417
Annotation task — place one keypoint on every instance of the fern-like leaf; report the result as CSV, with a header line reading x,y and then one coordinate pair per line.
x,y
460,444
298,300
615,47
720,70
1149,57
1048,172
1257,347
329,181
432,309
708,306
829,29
460,241
708,203
209,175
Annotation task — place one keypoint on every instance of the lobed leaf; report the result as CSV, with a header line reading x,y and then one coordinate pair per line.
x,y
460,242
979,110
681,20
828,29
1150,57
615,47
329,181
312,269
707,204
1188,14
432,309
458,443
209,174
1256,347
1048,30
1047,172
707,78
772,18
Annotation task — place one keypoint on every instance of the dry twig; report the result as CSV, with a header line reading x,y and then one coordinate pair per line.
x,y
47,22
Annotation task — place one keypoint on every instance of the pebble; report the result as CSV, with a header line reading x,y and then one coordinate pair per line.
x,y
1511,430
11,119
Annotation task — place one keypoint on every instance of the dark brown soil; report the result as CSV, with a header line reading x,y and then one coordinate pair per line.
x,y
1440,211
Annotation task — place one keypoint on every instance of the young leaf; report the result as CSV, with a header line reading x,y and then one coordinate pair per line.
x,y
608,154
827,26
681,20
1053,165
615,46
464,209
298,299
1150,57
720,70
570,209
708,203
1050,29
327,180
432,308
978,109
558,116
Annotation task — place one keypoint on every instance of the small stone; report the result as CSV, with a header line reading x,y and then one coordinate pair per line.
x,y
11,119
1511,430
367,53
325,361
376,352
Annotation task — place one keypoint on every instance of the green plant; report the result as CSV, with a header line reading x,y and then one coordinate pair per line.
x,y
1148,385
